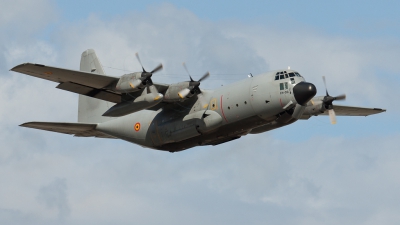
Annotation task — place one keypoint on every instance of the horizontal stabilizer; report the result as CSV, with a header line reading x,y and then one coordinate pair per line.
x,y
76,129
341,110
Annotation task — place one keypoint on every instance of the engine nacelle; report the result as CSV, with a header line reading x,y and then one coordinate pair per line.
x,y
142,102
130,83
171,95
313,110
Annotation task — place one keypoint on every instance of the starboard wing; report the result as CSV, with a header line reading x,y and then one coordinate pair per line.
x,y
76,129
341,110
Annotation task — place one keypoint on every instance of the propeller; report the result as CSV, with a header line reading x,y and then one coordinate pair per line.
x,y
193,85
146,76
328,102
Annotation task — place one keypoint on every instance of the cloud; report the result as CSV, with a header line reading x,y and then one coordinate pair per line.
x,y
328,178
18,16
54,196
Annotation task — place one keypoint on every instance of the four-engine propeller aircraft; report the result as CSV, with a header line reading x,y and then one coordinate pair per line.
x,y
179,116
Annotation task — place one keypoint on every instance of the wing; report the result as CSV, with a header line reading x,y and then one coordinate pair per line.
x,y
89,84
354,111
76,129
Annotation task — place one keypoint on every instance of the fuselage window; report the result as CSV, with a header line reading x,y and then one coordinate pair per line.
x,y
292,80
286,85
291,75
282,76
286,75
281,86
277,77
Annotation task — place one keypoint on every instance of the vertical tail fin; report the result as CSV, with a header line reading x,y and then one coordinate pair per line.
x,y
90,109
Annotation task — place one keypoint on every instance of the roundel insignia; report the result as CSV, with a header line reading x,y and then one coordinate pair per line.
x,y
137,126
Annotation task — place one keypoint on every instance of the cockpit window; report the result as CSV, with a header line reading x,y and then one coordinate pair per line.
x,y
284,75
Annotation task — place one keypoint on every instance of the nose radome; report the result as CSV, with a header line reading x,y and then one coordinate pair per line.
x,y
304,92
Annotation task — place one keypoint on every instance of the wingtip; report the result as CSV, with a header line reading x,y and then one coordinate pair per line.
x,y
17,66
379,109
25,124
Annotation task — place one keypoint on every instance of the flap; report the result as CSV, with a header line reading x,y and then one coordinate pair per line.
x,y
92,92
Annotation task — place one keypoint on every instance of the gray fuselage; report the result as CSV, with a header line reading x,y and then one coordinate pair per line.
x,y
254,105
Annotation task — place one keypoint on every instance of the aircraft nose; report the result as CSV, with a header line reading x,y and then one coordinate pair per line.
x,y
304,92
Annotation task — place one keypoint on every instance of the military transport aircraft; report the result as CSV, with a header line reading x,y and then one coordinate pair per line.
x,y
175,117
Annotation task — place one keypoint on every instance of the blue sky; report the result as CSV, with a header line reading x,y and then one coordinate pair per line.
x,y
310,172
350,18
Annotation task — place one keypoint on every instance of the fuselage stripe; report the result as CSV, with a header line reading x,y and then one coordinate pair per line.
x,y
222,110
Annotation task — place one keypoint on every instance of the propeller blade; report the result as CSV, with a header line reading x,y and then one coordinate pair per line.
x,y
183,93
323,78
332,116
205,76
340,97
137,56
159,67
184,65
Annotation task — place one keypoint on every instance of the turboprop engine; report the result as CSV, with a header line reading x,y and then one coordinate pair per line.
x,y
130,82
321,104
144,101
183,90
135,81
172,93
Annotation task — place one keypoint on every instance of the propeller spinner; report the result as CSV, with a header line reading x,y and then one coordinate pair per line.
x,y
328,103
193,85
